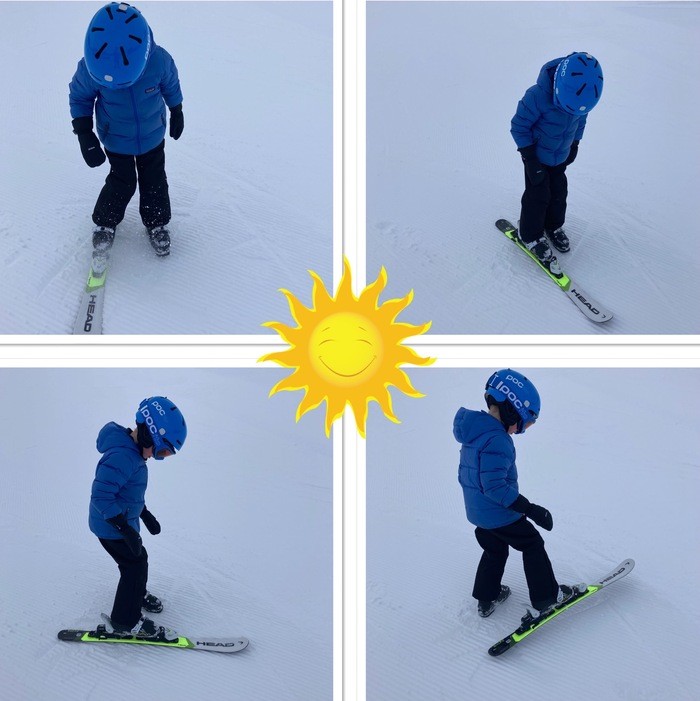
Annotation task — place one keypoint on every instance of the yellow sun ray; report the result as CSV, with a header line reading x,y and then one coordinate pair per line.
x,y
346,350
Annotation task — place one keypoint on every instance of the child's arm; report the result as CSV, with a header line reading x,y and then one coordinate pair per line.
x,y
170,81
581,127
526,115
493,474
82,92
82,95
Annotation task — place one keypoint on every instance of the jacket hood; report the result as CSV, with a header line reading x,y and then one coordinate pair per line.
x,y
545,79
112,435
470,426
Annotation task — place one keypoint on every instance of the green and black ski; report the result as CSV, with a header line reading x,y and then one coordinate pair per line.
x,y
532,623
584,303
100,635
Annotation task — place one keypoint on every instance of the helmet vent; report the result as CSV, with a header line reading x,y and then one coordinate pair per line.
x,y
131,19
582,59
108,10
131,36
581,89
124,58
573,73
100,50
595,90
97,29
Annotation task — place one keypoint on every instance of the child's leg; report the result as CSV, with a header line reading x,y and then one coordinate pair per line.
x,y
558,188
534,204
153,187
487,583
541,582
119,188
132,583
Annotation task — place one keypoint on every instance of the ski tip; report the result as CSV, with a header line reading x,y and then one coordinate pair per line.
x,y
219,644
602,317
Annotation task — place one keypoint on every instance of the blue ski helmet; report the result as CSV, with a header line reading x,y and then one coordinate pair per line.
x,y
578,83
515,388
118,43
165,424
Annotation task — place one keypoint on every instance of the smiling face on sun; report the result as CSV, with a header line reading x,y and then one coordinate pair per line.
x,y
347,350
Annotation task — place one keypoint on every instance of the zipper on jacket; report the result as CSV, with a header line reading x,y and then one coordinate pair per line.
x,y
136,118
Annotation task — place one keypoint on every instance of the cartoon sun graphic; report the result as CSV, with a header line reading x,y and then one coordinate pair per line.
x,y
347,349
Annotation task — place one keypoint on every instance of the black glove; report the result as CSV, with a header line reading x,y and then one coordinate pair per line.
x,y
177,122
129,533
89,143
535,513
150,521
572,154
534,170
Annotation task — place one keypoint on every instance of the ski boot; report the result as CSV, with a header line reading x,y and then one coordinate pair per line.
x,y
102,240
541,249
486,608
151,603
559,239
145,629
159,237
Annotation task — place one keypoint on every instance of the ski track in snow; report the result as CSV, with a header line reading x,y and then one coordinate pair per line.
x,y
250,179
442,166
614,492
246,546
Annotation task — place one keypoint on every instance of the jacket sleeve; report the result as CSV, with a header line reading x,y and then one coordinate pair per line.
x,y
527,113
109,479
170,81
82,92
581,127
493,472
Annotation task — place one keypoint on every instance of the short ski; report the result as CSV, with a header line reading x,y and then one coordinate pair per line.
x,y
590,308
89,319
100,635
531,623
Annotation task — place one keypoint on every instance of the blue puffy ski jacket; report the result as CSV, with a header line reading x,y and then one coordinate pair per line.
x,y
539,121
487,469
132,120
120,481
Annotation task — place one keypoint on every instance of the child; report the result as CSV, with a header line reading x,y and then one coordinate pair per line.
x,y
128,80
547,127
489,480
117,501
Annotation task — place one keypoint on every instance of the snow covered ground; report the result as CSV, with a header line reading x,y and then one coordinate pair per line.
x,y
250,179
614,457
246,545
443,81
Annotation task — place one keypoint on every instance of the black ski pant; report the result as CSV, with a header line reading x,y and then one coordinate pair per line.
x,y
522,536
125,173
132,582
543,206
